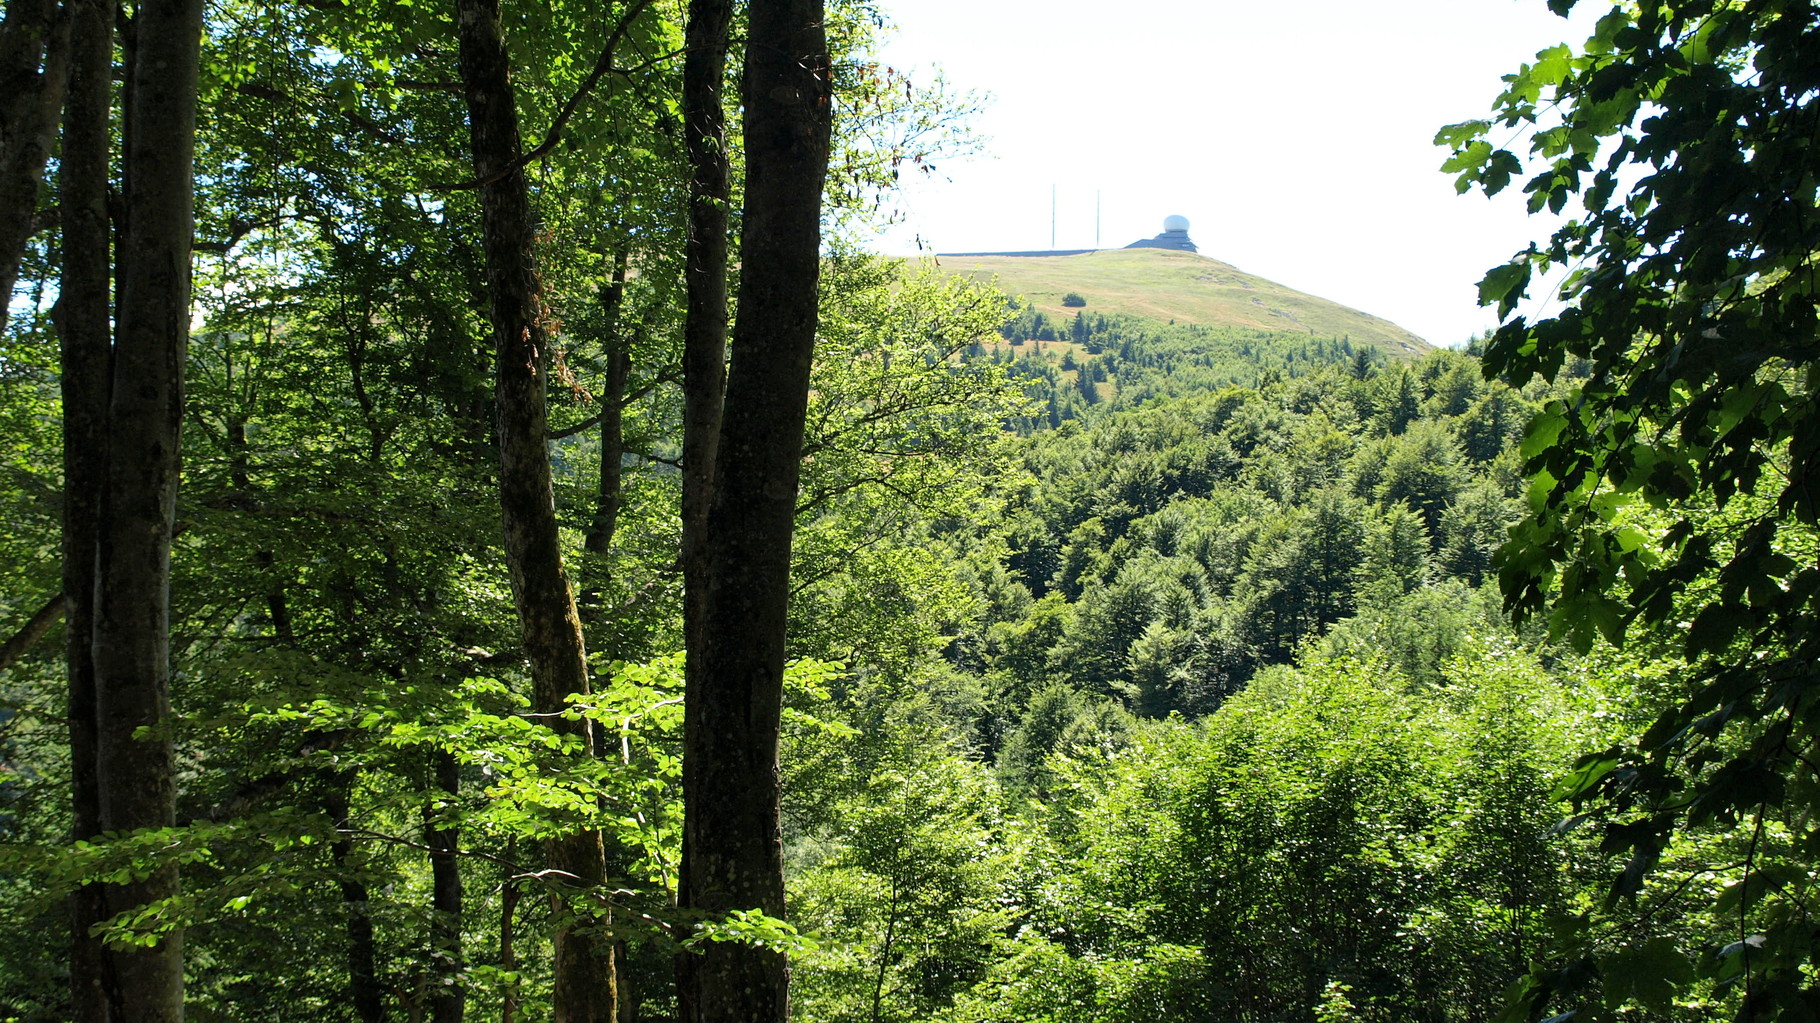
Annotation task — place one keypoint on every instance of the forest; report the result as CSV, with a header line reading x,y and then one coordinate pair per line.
x,y
484,540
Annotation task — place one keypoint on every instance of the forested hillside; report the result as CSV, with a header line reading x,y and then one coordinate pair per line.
x,y
1223,671
483,542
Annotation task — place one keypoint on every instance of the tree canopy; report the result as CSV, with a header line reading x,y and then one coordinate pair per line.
x,y
1672,489
1080,670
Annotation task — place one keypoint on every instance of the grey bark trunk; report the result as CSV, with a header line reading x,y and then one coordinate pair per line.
x,y
583,981
732,843
129,652
704,334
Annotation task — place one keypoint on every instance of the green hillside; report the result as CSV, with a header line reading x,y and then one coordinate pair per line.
x,y
1181,286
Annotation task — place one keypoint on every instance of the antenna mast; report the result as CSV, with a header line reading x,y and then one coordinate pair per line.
x,y
1052,218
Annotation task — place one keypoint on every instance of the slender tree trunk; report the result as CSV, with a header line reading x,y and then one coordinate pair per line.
x,y
584,988
34,70
362,959
629,994
704,282
508,952
733,847
448,1000
240,474
704,334
885,949
607,497
130,648
83,311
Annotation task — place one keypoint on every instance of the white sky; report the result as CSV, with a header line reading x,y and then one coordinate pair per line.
x,y
1295,136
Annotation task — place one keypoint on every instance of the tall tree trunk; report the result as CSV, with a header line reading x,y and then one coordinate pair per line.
x,y
704,282
83,311
130,648
584,988
240,475
363,959
508,915
34,70
607,496
448,1000
704,332
733,846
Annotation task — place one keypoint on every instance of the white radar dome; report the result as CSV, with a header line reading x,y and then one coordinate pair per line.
x,y
1175,223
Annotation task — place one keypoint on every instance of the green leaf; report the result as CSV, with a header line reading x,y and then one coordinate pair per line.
x,y
1505,285
1587,774
1552,65
1454,135
1649,974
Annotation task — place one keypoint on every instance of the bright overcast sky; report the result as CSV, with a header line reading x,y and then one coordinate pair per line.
x,y
1295,136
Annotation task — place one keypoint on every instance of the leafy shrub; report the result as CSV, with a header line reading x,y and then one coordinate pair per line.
x,y
1073,300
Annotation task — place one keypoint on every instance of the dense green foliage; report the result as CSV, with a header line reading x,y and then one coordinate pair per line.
x,y
1173,549
1122,715
1023,647
1673,505
1143,671
1069,366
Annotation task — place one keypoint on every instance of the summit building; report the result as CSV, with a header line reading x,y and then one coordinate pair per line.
x,y
1174,236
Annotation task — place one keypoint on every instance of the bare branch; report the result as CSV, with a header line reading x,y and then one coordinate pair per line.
x,y
237,229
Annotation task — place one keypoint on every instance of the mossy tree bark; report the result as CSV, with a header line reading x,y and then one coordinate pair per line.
x,y
584,987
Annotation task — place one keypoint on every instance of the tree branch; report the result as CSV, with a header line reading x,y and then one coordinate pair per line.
x,y
569,431
33,631
631,396
552,878
417,85
260,90
602,68
237,229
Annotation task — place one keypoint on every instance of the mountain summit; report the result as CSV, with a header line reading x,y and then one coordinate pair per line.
x,y
1171,284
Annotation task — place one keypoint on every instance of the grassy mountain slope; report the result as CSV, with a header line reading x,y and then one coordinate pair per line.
x,y
1183,286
